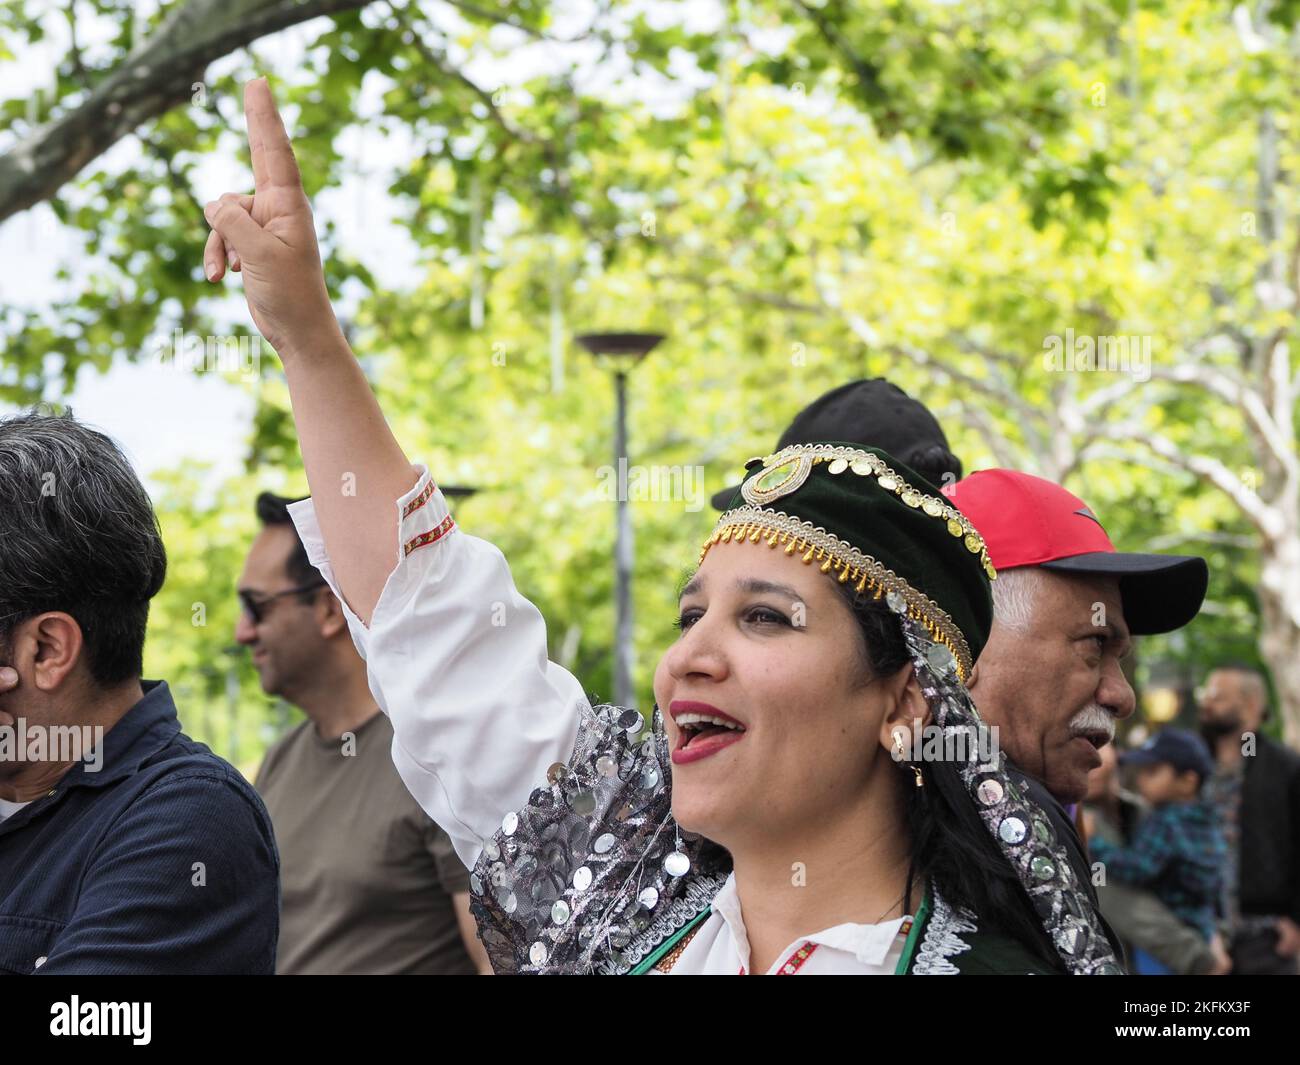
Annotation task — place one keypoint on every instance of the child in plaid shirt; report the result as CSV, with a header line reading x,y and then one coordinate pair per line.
x,y
1177,850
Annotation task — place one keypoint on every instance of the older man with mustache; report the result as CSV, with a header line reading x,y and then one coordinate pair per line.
x,y
1066,606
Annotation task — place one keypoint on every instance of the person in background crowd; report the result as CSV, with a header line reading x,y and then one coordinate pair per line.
x,y
1142,921
1177,849
147,853
1065,605
371,885
1256,789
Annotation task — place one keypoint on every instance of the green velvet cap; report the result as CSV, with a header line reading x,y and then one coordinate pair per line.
x,y
864,518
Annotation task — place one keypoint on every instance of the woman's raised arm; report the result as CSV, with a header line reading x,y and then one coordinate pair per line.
x,y
355,466
455,656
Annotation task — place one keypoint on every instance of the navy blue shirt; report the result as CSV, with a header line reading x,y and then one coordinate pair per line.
x,y
162,861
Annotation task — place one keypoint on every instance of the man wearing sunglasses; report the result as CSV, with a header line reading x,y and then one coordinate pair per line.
x,y
370,883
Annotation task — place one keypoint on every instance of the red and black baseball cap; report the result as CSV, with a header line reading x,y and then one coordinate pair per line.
x,y
1027,521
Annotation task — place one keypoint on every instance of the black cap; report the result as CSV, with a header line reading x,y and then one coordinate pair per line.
x,y
873,414
1160,593
1177,747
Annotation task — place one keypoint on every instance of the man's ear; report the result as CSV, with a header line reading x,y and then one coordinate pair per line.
x,y
330,616
974,677
906,708
50,645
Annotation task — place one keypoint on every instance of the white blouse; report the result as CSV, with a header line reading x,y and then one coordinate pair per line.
x,y
457,659
720,946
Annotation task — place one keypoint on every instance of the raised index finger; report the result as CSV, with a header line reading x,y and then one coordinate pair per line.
x,y
274,164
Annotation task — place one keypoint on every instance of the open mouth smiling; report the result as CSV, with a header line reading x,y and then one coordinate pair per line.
x,y
703,730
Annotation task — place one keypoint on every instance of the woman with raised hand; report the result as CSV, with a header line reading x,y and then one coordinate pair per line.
x,y
778,817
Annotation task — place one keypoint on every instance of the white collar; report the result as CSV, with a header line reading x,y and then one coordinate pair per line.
x,y
868,943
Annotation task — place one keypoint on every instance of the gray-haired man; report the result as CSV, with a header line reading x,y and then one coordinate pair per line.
x,y
1066,605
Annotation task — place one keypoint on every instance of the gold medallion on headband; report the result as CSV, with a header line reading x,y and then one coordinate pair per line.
x,y
777,481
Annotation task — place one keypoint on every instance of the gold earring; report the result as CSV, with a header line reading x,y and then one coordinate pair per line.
x,y
899,756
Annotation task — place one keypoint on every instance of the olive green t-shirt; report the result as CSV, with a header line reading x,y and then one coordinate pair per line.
x,y
366,876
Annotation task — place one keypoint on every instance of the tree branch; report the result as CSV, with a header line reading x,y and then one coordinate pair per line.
x,y
923,358
1004,452
1213,472
441,62
156,77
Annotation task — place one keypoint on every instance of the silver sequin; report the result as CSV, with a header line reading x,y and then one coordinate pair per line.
x,y
1012,830
537,953
941,660
560,912
677,864
989,792
604,844
606,766
649,898
509,823
582,878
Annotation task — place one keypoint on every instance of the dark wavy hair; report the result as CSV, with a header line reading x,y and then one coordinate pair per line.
x,y
78,534
950,844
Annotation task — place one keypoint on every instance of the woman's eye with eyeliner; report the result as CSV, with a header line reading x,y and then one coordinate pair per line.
x,y
767,616
686,619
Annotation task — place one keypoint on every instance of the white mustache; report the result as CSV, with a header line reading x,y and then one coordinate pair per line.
x,y
1093,718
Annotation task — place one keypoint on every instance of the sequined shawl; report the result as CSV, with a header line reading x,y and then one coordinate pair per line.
x,y
594,874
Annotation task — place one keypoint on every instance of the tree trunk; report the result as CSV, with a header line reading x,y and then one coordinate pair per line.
x,y
1279,613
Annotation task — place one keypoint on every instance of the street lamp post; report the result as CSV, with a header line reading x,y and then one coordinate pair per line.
x,y
623,351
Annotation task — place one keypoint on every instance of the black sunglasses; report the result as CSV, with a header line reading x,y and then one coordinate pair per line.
x,y
256,608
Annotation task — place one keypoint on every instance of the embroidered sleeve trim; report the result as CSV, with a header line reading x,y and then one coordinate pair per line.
x,y
430,537
419,501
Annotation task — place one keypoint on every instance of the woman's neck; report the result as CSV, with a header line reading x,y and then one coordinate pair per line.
x,y
852,868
